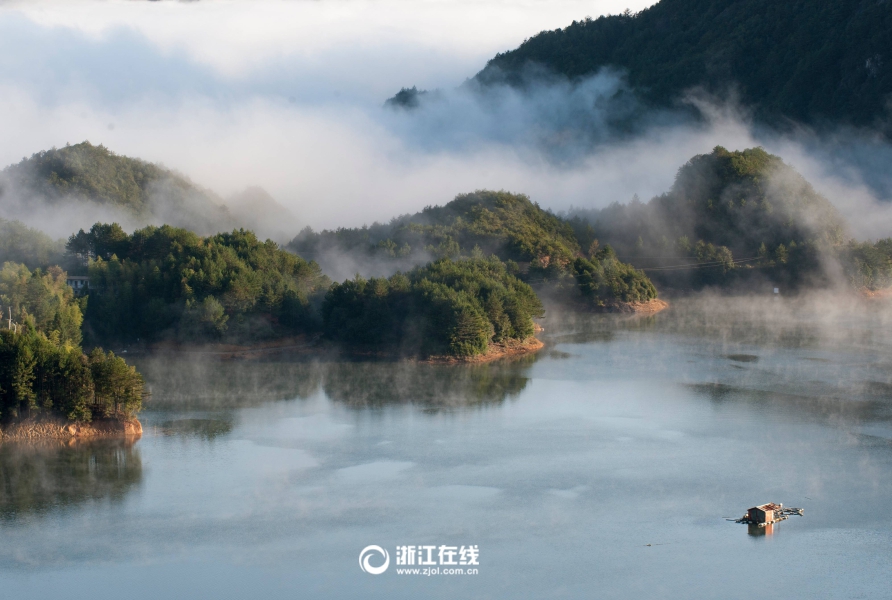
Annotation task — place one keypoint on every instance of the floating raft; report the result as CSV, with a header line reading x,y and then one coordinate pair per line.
x,y
766,514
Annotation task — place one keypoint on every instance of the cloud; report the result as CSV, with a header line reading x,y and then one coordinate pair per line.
x,y
425,39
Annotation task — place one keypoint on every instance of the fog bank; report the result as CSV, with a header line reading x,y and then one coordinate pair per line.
x,y
292,102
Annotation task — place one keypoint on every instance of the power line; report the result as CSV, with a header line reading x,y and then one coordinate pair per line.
x,y
705,265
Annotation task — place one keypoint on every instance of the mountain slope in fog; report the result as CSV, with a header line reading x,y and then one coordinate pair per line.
x,y
88,179
741,199
735,217
812,61
31,247
255,209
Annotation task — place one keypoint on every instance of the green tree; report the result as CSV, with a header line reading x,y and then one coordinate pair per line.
x,y
42,367
118,387
42,298
448,307
165,281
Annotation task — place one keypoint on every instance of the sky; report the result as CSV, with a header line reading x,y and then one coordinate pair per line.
x,y
288,95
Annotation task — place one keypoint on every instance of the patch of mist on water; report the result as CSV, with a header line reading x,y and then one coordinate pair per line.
x,y
181,381
206,382
824,353
811,318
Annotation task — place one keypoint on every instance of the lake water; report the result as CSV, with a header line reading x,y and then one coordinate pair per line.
x,y
606,466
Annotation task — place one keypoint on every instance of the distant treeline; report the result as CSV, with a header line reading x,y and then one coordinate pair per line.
x,y
166,283
42,367
31,247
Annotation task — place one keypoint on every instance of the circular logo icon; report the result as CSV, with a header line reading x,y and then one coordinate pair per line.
x,y
367,553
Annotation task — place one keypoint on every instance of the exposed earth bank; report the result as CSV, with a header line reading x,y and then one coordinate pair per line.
x,y
495,352
648,308
55,428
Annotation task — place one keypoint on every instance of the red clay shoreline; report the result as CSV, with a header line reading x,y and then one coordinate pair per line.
x,y
62,429
651,307
883,294
495,352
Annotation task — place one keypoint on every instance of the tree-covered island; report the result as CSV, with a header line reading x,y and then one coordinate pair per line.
x,y
44,373
451,308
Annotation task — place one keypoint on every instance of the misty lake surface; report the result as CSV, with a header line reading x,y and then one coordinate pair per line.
x,y
606,466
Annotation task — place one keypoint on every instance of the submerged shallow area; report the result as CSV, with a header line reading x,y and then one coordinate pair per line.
x,y
604,466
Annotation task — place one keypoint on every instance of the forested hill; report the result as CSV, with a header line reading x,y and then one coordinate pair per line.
x,y
508,225
85,174
739,219
809,60
744,200
539,247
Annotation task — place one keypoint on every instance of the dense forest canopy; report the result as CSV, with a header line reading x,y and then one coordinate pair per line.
x,y
813,61
42,367
42,301
163,282
537,246
508,225
448,307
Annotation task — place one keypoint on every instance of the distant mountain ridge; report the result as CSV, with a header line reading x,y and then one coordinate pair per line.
x,y
812,61
87,179
92,173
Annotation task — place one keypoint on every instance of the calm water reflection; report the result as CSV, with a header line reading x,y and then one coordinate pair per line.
x,y
48,476
605,466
